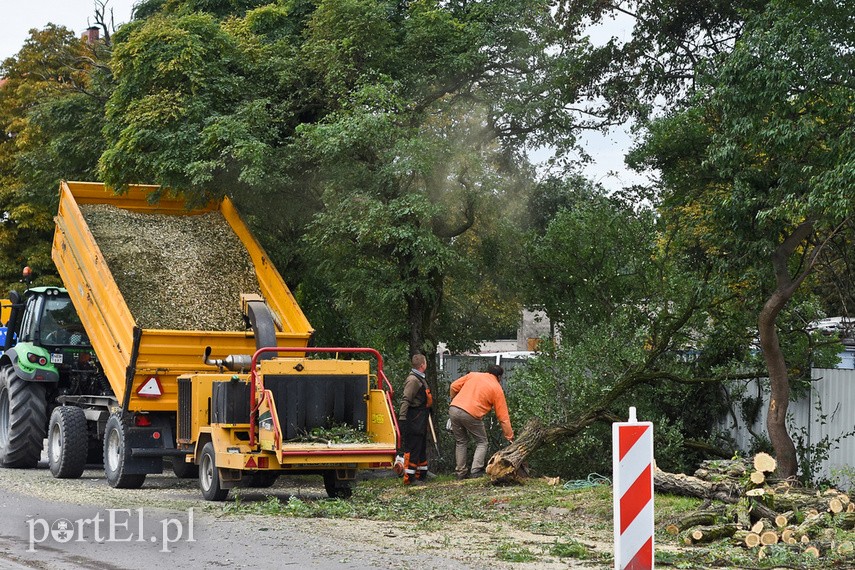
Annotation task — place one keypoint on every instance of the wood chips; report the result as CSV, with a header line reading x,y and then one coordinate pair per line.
x,y
175,272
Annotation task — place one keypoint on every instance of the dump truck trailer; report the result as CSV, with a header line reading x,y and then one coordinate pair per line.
x,y
241,401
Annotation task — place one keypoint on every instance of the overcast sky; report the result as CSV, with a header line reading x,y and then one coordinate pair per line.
x,y
18,17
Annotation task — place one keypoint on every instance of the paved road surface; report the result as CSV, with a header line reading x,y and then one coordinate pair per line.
x,y
51,533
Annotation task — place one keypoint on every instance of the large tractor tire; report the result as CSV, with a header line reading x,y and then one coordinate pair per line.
x,y
68,442
23,420
209,475
117,455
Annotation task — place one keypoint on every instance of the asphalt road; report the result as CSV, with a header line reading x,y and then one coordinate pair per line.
x,y
47,530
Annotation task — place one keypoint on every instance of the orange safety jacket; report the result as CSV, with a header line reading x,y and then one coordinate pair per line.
x,y
477,393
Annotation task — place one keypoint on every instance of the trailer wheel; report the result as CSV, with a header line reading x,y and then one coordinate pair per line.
x,y
209,476
68,442
337,488
23,420
184,470
117,455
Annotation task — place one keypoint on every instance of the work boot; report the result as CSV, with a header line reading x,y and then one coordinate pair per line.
x,y
462,476
476,473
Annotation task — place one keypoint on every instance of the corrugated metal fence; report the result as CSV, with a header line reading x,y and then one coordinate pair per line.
x,y
824,418
450,368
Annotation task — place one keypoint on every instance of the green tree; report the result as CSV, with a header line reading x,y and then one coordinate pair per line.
x,y
585,254
386,132
51,113
636,309
769,173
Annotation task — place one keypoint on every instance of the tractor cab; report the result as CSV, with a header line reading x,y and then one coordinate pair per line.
x,y
46,342
45,317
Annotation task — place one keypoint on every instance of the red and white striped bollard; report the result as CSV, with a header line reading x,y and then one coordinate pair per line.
x,y
632,445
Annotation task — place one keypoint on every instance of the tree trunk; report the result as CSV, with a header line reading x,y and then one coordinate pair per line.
x,y
505,465
779,387
779,381
688,486
421,314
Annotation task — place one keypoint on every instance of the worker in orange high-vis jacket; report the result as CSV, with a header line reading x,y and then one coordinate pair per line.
x,y
472,398
413,419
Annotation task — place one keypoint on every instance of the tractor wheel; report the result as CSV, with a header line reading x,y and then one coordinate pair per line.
x,y
337,488
209,475
117,455
184,470
68,442
23,420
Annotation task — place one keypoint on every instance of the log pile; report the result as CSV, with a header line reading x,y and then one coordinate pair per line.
x,y
747,506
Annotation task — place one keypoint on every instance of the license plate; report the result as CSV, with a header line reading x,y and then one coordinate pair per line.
x,y
56,358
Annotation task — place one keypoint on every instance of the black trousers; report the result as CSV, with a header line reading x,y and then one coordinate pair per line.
x,y
414,439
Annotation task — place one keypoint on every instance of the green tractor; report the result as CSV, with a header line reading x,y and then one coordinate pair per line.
x,y
50,380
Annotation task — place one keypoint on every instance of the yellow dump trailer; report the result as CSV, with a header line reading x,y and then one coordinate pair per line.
x,y
245,402
159,354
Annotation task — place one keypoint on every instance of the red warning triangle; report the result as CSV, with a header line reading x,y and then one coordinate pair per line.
x,y
151,388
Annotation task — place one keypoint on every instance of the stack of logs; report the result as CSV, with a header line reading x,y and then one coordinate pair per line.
x,y
756,511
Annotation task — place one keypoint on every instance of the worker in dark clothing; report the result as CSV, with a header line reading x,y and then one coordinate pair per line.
x,y
413,421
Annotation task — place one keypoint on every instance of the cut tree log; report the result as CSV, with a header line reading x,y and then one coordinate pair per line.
x,y
686,485
811,526
757,477
752,539
783,519
835,505
845,521
507,464
707,534
740,513
699,518
812,550
765,463
769,537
